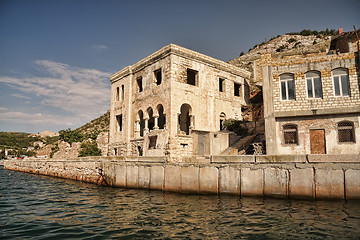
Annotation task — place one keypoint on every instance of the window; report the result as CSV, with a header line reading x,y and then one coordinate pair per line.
x,y
221,85
222,120
290,134
157,74
119,122
139,84
192,77
346,132
287,86
313,83
152,142
122,92
237,89
341,82
117,93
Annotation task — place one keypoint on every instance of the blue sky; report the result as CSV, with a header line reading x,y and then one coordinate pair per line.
x,y
56,56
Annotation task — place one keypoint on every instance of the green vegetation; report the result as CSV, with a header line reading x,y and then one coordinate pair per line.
x,y
308,32
235,126
291,40
54,149
89,148
71,136
18,140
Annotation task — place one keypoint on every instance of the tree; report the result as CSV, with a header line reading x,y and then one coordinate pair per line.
x,y
89,148
70,136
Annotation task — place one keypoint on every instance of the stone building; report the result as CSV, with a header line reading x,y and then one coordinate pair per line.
x,y
312,102
173,103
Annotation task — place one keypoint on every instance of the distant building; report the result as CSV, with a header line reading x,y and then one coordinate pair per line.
x,y
312,102
173,103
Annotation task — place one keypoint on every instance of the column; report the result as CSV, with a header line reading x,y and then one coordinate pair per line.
x,y
146,128
137,128
156,125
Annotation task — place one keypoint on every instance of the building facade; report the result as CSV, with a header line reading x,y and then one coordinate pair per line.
x,y
169,102
312,102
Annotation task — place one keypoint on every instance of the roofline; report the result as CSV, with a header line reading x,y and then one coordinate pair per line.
x,y
182,52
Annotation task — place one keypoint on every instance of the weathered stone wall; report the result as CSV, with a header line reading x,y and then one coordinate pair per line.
x,y
292,176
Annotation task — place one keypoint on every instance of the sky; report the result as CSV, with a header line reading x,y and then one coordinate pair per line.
x,y
56,56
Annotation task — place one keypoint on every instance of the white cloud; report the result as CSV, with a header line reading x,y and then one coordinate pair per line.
x,y
3,108
20,96
39,119
100,47
85,93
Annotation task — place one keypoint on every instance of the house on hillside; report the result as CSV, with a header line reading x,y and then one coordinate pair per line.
x,y
173,103
312,102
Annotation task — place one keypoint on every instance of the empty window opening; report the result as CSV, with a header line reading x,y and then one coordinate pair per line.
x,y
341,82
191,77
287,86
139,84
140,150
162,117
237,89
119,122
184,145
142,123
290,134
158,76
184,118
152,142
151,121
313,82
117,93
115,152
346,132
221,85
122,92
222,120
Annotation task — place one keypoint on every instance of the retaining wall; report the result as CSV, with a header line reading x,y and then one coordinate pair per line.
x,y
290,176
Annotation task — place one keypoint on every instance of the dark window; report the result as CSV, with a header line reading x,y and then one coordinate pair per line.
x,y
122,92
119,122
139,84
290,134
157,74
191,77
237,89
221,85
152,142
287,86
346,132
117,93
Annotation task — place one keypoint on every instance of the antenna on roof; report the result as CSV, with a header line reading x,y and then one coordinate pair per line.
x,y
356,33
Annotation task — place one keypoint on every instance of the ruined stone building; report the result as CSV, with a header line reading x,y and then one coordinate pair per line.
x,y
173,103
312,102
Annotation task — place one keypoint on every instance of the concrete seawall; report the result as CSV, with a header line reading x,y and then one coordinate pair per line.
x,y
290,176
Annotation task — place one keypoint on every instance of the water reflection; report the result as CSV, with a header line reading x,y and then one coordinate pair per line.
x,y
41,207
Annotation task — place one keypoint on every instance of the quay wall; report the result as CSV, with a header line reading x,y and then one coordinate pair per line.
x,y
284,176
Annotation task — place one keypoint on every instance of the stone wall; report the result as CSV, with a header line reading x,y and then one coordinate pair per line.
x,y
291,176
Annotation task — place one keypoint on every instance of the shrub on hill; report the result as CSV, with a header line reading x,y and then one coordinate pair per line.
x,y
89,148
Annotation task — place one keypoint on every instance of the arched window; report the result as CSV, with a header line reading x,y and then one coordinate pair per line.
x,y
341,82
287,86
346,132
117,93
184,118
162,117
290,134
313,84
222,120
151,122
141,122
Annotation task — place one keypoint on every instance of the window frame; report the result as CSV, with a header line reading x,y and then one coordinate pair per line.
x,y
340,82
344,128
312,79
286,80
196,77
139,87
290,130
238,89
157,80
221,84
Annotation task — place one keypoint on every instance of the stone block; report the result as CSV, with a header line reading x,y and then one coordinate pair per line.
x,y
120,172
157,177
144,177
190,179
301,183
352,184
172,178
233,159
316,158
132,178
252,182
229,180
280,158
209,177
276,182
329,183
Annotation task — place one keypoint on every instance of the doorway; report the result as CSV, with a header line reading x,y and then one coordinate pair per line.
x,y
317,141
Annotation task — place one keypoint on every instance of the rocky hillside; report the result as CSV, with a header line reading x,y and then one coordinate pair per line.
x,y
304,42
100,124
